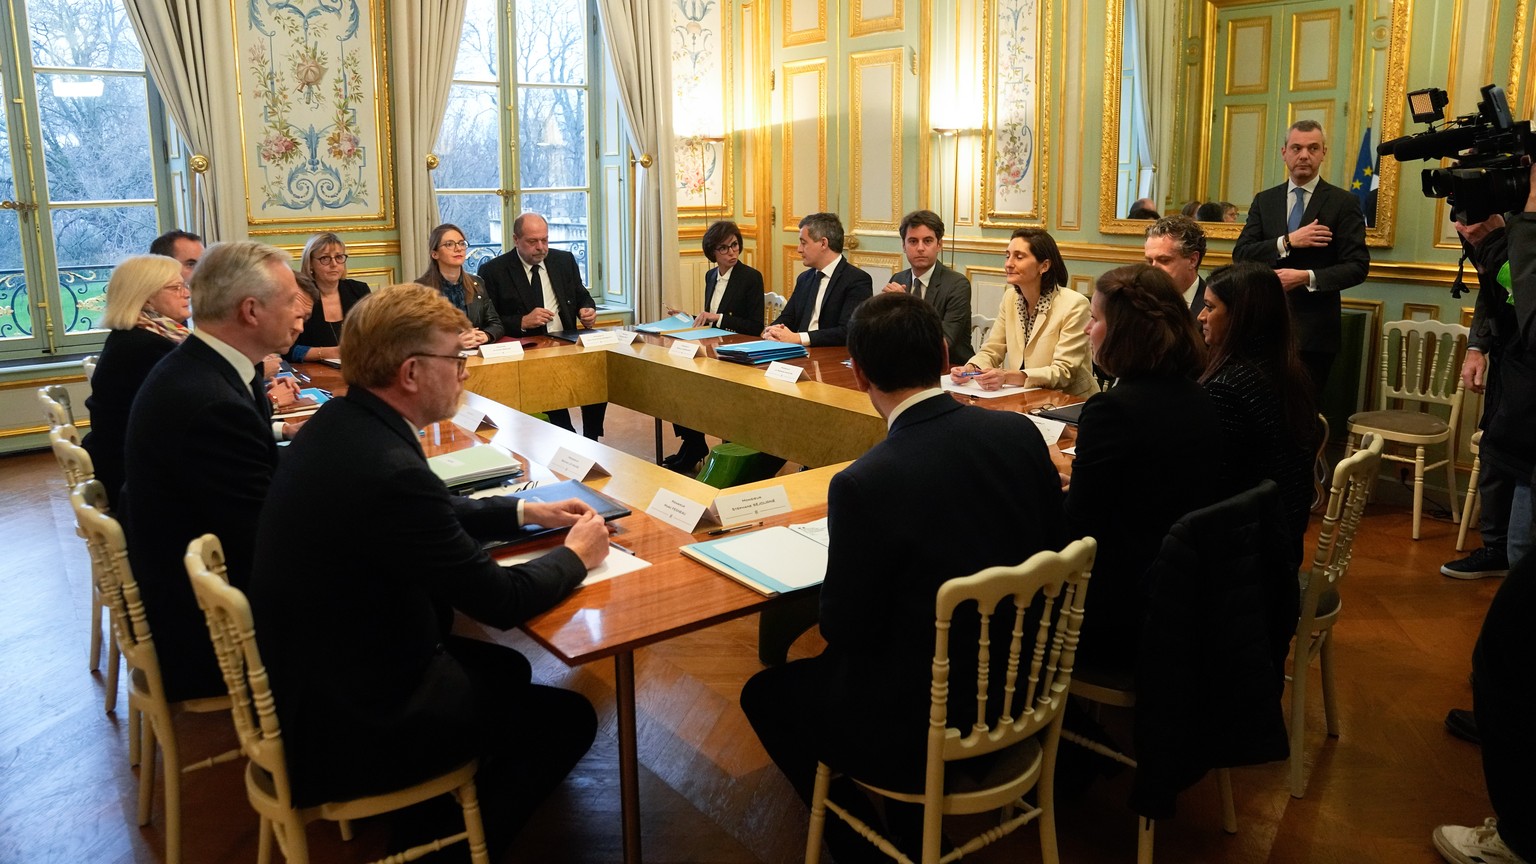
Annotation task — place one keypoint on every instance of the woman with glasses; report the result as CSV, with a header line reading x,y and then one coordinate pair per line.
x,y
323,276
148,305
733,300
1262,394
1142,448
1038,339
446,274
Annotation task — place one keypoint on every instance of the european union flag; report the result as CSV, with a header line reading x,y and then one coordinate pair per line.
x,y
1363,183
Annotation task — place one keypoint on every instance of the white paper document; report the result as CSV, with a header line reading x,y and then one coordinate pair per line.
x,y
1050,429
971,388
793,565
617,563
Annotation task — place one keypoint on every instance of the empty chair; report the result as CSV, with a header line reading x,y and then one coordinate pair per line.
x,y
76,464
1420,368
980,326
1320,603
1021,742
1209,675
57,409
146,691
255,714
773,305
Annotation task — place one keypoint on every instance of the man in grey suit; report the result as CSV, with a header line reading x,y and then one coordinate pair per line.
x,y
1176,246
1313,234
922,239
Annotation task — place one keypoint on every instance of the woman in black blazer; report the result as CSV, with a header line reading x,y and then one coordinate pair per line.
x,y
1262,394
148,304
1149,450
323,275
737,306
463,289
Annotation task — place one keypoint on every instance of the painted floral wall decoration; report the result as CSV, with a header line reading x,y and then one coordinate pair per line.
x,y
1013,174
698,104
310,122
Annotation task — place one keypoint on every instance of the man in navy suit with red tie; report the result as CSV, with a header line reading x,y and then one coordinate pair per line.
x,y
533,286
1313,234
826,293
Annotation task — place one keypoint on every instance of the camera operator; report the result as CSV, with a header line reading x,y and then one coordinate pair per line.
x,y
1504,660
1498,366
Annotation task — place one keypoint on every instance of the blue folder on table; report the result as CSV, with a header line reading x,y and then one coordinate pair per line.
x,y
758,353
680,321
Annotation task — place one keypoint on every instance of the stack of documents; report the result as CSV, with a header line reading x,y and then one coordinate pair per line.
x,y
309,401
772,561
758,353
680,321
475,466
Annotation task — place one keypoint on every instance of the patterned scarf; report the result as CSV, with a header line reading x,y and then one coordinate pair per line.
x,y
160,325
454,291
1042,306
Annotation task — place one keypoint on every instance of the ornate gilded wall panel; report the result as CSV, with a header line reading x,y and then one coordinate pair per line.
x,y
701,107
1017,123
804,131
875,145
805,22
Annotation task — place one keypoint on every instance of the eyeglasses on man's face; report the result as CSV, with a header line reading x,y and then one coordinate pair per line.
x,y
453,244
460,358
339,258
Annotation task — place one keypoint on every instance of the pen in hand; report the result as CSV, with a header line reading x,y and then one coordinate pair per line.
x,y
718,531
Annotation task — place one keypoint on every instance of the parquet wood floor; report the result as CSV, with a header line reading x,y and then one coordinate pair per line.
x,y
709,793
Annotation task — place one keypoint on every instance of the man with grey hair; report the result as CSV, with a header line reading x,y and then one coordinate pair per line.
x,y
826,293
1313,234
1176,246
201,450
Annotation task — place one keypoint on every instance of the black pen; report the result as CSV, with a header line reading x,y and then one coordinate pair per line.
x,y
621,548
718,531
283,364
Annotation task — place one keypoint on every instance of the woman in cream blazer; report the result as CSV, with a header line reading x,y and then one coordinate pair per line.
x,y
1054,351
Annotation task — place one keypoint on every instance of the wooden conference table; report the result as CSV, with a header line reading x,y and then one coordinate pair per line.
x,y
821,421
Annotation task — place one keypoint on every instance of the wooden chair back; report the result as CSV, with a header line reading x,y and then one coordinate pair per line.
x,y
73,459
1421,363
1353,479
57,408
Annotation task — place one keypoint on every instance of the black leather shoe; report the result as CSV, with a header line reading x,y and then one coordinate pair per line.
x,y
1461,723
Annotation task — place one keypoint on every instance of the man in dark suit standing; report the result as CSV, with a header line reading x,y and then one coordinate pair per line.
x,y
372,690
826,293
201,448
1176,246
534,285
922,239
1313,234
877,601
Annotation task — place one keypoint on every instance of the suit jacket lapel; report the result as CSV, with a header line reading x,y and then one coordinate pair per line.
x,y
204,353
1315,204
711,279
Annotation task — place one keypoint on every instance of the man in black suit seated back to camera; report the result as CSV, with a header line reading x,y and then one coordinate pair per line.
x,y
826,293
946,290
353,611
201,448
1176,246
1313,234
533,287
862,704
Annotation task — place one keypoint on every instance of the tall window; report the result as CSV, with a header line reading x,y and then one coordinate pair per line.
x,y
81,171
536,58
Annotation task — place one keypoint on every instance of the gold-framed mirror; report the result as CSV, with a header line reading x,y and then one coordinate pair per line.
x,y
1247,70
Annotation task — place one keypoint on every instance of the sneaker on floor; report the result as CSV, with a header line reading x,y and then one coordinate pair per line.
x,y
1459,844
1479,565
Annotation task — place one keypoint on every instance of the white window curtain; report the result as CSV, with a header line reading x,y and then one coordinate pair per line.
x,y
424,45
1156,43
187,49
638,36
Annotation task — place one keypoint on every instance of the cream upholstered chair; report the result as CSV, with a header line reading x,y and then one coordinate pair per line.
x,y
1421,365
981,325
255,714
146,688
773,306
76,464
1026,743
1320,604
57,409
88,365
1469,505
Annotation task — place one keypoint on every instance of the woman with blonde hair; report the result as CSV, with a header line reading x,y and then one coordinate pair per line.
x,y
148,305
465,290
323,275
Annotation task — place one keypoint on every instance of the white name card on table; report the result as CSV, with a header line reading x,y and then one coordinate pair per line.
x,y
784,372
502,351
675,510
469,418
1050,429
624,337
574,465
684,349
596,338
755,504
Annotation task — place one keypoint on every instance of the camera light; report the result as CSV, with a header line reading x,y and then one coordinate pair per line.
x,y
1428,105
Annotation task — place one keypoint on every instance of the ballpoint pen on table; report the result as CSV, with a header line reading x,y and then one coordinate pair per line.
x,y
626,551
718,531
